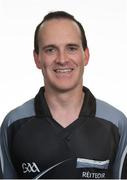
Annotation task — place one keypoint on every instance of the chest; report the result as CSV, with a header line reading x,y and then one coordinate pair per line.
x,y
41,143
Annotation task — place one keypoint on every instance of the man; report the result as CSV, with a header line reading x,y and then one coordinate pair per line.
x,y
64,132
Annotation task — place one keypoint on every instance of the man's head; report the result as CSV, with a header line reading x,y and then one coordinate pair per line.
x,y
61,51
59,15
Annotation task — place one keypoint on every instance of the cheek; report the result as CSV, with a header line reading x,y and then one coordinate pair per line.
x,y
46,61
46,66
80,60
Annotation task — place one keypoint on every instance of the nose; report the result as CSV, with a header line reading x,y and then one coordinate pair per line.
x,y
62,56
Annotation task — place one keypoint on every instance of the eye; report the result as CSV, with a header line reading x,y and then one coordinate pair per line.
x,y
50,50
72,48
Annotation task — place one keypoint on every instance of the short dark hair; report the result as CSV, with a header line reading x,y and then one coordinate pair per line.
x,y
58,15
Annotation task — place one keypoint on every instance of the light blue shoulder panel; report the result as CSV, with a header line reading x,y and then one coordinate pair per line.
x,y
110,113
23,111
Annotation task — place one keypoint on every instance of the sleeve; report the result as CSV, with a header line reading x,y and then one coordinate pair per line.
x,y
110,113
124,165
25,110
7,169
1,176
120,169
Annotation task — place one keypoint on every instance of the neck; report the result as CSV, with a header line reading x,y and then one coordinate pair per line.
x,y
65,107
66,98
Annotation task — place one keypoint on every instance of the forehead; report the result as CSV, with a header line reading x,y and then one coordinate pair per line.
x,y
56,28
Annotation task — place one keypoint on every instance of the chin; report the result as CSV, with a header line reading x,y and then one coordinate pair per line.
x,y
63,88
63,85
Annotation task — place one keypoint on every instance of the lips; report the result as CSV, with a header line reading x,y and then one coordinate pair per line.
x,y
63,70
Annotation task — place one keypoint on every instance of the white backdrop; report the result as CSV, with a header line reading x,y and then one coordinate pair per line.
x,y
105,23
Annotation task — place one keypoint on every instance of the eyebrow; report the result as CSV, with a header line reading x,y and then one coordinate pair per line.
x,y
49,46
73,44
55,46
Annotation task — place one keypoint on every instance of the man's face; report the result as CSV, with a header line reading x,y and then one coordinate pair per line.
x,y
61,55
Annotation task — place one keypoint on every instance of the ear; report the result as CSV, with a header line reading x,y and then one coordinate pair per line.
x,y
37,60
87,55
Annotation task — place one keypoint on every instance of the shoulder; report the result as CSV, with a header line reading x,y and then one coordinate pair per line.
x,y
110,113
23,111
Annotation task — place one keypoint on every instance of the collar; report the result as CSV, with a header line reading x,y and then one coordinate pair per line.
x,y
88,107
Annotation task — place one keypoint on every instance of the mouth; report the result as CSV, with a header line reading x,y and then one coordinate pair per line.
x,y
63,70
